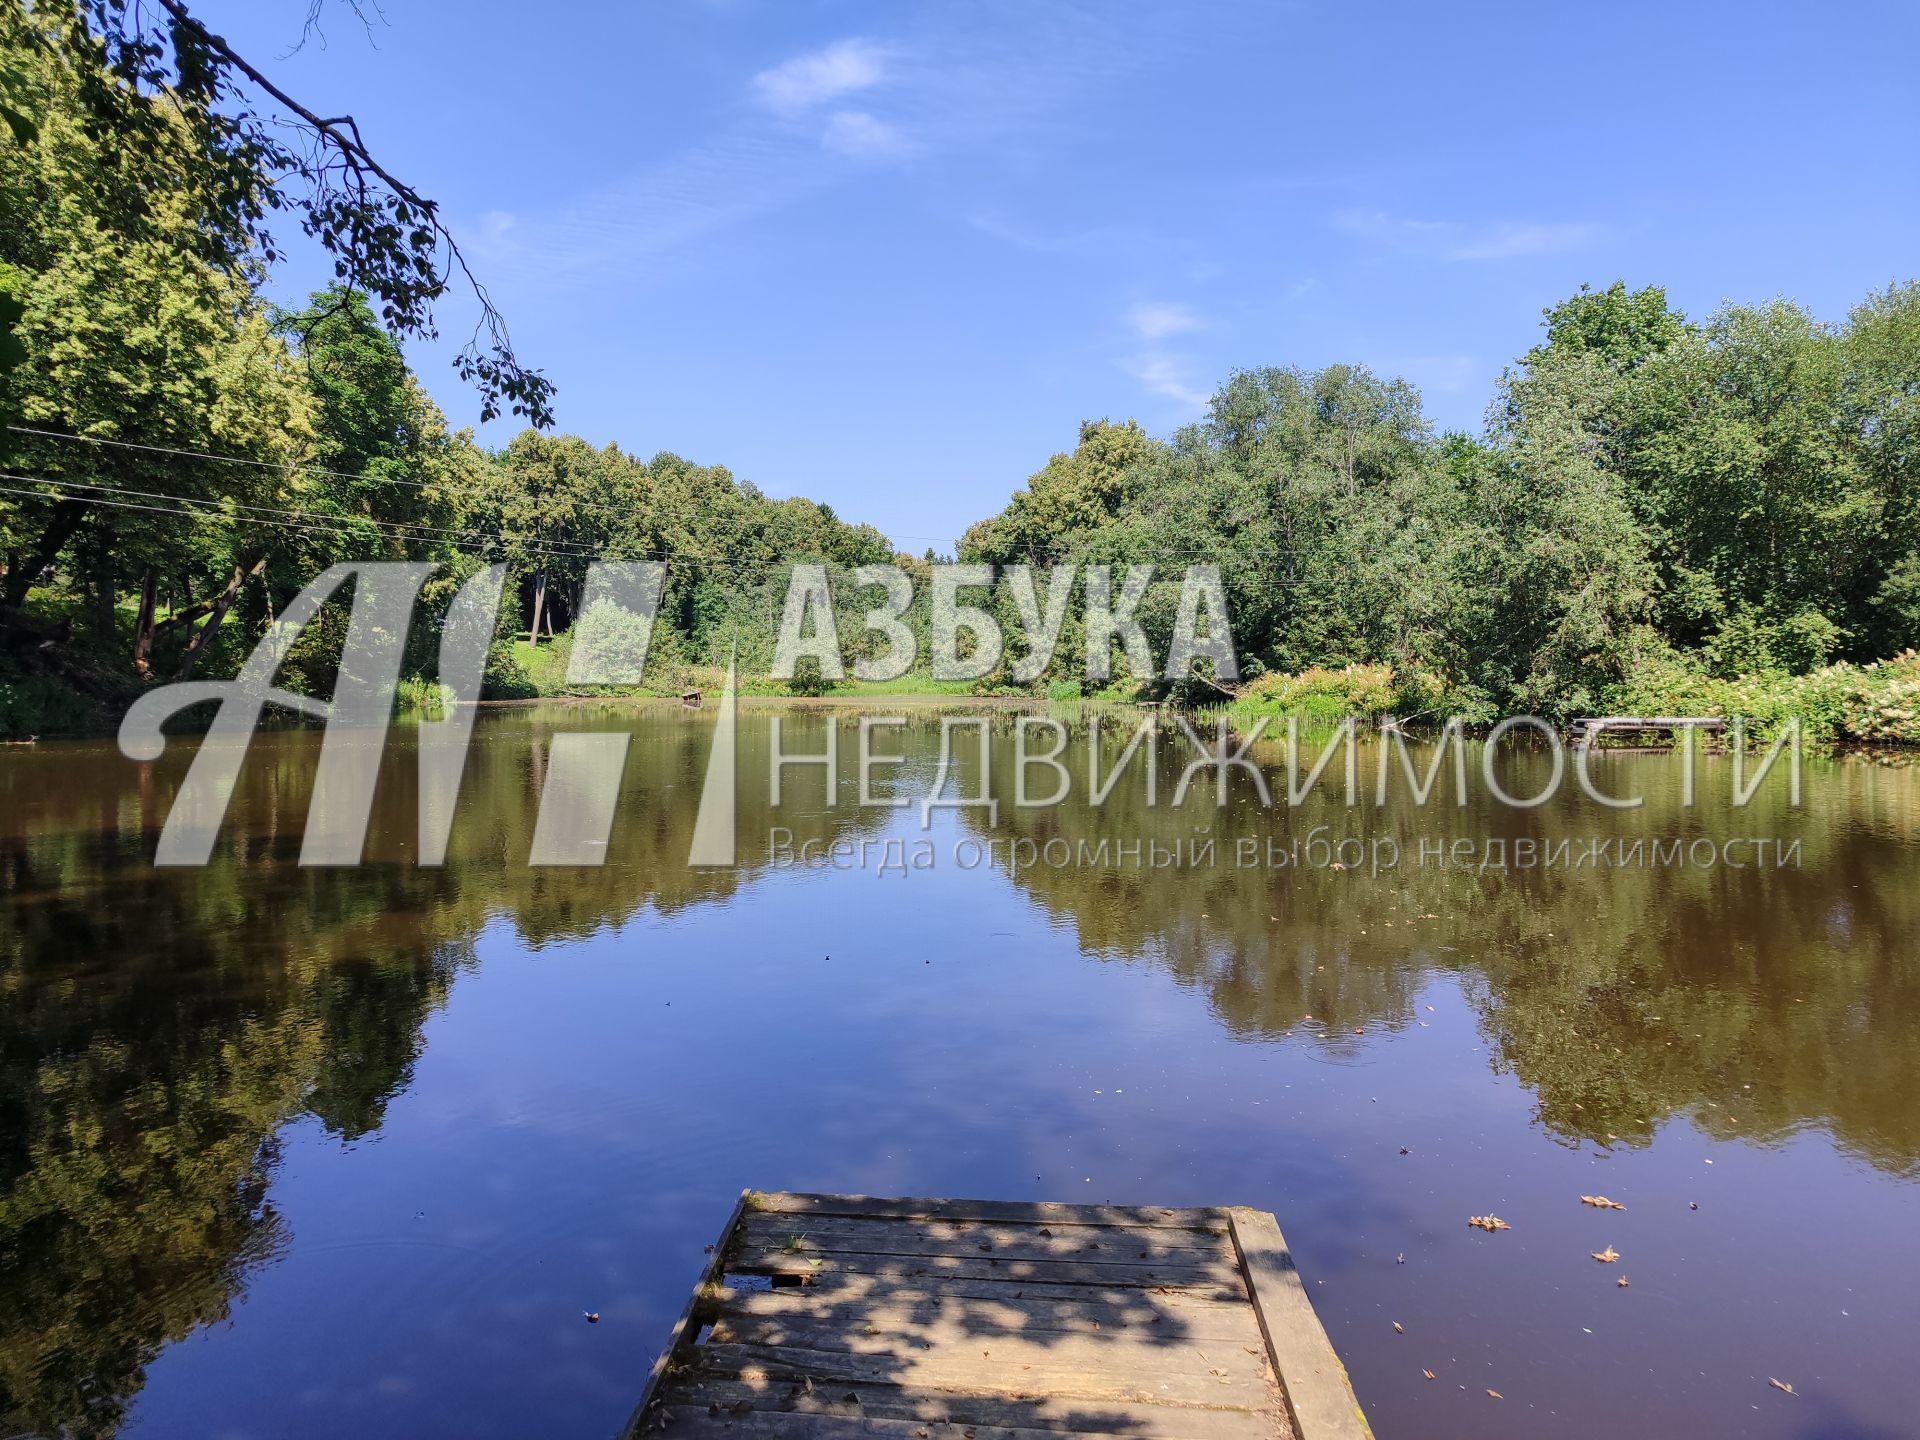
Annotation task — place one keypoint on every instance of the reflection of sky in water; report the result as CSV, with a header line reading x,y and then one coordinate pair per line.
x,y
557,1117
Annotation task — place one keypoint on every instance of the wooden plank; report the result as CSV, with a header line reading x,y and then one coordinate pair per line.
x,y
759,1425
684,1327
1120,1355
1005,1308
1011,1212
982,1372
1066,1232
1319,1396
1103,1244
1150,1275
1047,1414
1000,1287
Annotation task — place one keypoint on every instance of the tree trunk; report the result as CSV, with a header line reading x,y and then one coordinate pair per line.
x,y
104,628
219,613
67,516
143,624
539,603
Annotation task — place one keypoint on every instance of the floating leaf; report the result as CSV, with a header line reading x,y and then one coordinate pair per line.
x,y
1429,1374
1621,1282
1488,1222
1606,1256
1495,1395
1780,1385
1601,1202
1398,1328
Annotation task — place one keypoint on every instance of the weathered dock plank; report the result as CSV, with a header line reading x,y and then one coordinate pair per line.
x,y
1011,1212
955,1237
981,1319
1001,1305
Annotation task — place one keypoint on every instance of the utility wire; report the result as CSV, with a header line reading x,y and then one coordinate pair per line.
x,y
221,507
604,507
488,544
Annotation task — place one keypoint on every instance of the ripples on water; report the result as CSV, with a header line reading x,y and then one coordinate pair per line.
x,y
301,1152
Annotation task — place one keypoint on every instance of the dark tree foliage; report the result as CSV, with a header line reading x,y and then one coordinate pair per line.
x,y
262,152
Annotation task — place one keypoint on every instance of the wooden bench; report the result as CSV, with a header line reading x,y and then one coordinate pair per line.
x,y
844,1315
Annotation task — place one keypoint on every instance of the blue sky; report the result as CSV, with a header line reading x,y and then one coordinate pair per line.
x,y
889,254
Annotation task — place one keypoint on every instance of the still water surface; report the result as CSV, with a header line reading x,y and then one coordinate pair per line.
x,y
292,1152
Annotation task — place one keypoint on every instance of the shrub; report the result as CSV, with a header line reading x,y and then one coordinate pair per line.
x,y
610,640
1327,695
504,677
807,679
1883,705
1878,702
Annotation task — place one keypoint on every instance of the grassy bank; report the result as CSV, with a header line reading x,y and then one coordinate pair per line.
x,y
1841,704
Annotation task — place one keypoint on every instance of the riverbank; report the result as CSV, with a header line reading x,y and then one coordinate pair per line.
x,y
1840,705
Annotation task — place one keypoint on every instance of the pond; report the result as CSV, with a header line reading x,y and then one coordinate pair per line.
x,y
294,1151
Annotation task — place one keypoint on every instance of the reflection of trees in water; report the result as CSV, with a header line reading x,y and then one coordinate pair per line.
x,y
158,1028
1752,1002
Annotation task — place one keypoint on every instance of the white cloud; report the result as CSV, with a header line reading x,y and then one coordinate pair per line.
x,y
1508,241
1166,376
1156,319
1453,240
943,84
856,133
813,79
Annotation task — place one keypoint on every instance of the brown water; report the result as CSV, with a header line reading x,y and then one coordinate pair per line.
x,y
292,1152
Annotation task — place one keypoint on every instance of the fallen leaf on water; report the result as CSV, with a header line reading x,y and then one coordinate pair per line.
x,y
1429,1374
1398,1329
1780,1385
1495,1395
1488,1222
1601,1202
1606,1256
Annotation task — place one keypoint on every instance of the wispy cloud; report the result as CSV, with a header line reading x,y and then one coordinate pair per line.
x,y
1167,376
1508,241
811,80
936,88
856,133
1099,240
1457,240
1156,319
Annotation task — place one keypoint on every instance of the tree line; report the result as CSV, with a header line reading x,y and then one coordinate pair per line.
x,y
1654,503
1735,496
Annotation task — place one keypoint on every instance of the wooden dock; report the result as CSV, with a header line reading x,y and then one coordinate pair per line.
x,y
1589,728
844,1315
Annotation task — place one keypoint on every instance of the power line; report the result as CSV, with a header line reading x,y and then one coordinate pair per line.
x,y
300,520
678,512
221,507
204,514
488,543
